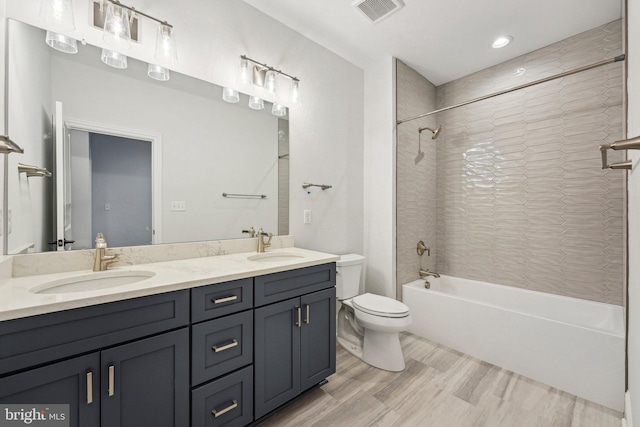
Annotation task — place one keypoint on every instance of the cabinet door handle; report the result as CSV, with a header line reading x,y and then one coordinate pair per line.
x,y
234,405
112,380
89,387
299,317
232,344
308,314
225,299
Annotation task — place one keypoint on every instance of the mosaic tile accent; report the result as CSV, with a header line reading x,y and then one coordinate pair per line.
x,y
521,199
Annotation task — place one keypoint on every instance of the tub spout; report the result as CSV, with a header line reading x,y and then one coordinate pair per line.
x,y
427,273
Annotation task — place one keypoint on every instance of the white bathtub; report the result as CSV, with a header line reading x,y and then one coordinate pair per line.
x,y
571,344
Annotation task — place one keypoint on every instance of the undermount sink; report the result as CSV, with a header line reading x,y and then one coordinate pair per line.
x,y
92,282
275,257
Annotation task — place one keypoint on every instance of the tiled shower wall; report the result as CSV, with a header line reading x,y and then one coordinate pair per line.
x,y
520,197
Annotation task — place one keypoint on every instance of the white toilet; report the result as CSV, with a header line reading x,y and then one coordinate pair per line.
x,y
368,324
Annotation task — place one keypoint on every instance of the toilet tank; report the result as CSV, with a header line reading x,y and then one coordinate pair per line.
x,y
348,272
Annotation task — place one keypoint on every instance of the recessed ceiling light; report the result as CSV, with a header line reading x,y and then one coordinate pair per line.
x,y
501,41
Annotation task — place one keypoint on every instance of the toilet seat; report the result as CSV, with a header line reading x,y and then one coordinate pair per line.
x,y
378,305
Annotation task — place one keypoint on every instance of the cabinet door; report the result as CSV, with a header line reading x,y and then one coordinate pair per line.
x,y
146,382
73,382
277,355
318,337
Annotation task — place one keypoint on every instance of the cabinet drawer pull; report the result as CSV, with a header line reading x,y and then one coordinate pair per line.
x,y
308,314
112,380
234,405
232,344
225,299
89,387
299,321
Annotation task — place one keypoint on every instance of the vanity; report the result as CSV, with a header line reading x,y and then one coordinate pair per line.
x,y
211,340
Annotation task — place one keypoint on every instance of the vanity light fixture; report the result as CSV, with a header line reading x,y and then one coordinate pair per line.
x,y
501,42
114,59
57,14
266,76
230,95
120,26
158,72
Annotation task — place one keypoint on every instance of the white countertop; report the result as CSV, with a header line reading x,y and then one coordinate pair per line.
x,y
17,298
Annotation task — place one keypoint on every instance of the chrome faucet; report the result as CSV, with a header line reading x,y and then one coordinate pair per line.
x,y
261,242
101,261
427,273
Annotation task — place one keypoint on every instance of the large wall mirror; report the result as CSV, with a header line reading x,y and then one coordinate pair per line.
x,y
140,160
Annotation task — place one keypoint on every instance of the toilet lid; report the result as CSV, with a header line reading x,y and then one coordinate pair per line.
x,y
378,305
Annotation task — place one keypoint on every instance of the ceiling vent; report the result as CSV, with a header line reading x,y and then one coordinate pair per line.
x,y
377,10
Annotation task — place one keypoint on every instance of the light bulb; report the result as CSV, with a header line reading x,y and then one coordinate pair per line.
x,y
295,92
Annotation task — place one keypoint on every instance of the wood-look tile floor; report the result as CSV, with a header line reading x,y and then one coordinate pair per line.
x,y
440,387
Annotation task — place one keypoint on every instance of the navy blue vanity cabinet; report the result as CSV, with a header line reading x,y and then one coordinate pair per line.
x,y
133,372
294,334
74,382
222,354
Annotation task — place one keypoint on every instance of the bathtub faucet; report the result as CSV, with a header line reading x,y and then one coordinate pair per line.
x,y
427,273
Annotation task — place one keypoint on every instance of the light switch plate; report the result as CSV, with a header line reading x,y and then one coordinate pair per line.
x,y
307,216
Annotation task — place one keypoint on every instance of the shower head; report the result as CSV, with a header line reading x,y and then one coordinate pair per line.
x,y
435,132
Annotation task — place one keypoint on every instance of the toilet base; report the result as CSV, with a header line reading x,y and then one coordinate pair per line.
x,y
380,349
383,350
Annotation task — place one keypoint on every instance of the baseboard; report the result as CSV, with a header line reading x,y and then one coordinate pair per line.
x,y
627,421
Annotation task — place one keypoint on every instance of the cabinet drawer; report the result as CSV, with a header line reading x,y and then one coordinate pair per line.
x,y
227,401
48,337
289,284
220,299
221,345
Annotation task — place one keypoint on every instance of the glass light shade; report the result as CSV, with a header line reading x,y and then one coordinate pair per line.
x,y
278,110
57,14
114,59
158,73
295,92
245,75
271,82
117,31
230,95
256,103
166,52
61,42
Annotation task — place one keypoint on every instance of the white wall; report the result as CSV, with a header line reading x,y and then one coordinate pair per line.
x,y
29,125
80,160
326,131
633,130
379,178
